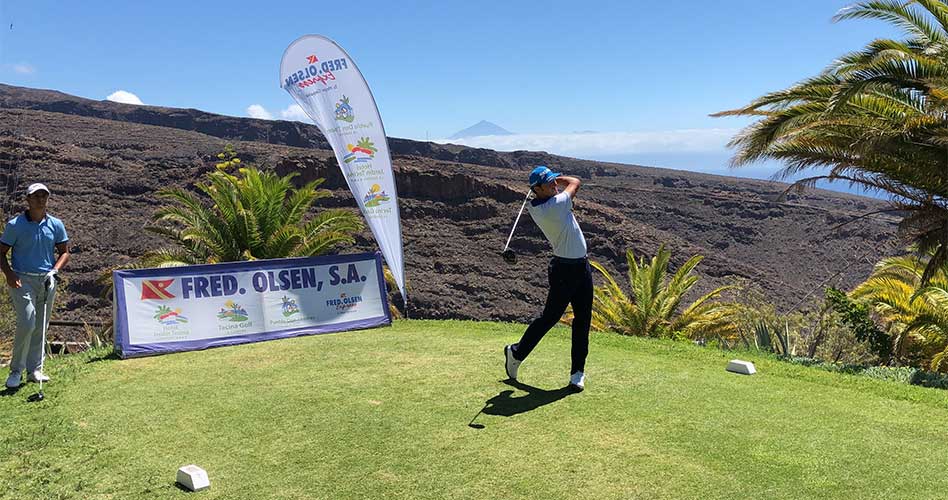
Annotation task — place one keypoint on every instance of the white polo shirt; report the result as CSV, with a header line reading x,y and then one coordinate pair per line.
x,y
555,218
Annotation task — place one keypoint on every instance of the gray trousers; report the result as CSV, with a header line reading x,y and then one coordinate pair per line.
x,y
33,305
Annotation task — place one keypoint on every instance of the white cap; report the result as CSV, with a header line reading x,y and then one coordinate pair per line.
x,y
36,186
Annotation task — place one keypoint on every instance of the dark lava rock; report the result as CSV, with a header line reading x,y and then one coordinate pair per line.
x,y
105,161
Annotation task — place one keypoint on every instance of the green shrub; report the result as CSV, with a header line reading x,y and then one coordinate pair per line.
x,y
908,375
856,316
900,374
814,331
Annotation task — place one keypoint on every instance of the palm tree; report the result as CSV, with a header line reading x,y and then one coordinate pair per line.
x,y
391,285
932,326
915,316
252,215
876,118
653,308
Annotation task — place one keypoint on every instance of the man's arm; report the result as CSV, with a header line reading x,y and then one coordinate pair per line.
x,y
569,185
12,279
63,249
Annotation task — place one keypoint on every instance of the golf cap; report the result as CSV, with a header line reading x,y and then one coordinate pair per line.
x,y
542,175
36,186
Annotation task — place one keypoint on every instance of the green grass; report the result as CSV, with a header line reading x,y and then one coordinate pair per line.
x,y
384,414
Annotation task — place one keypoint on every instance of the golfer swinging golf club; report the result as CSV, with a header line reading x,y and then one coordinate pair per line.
x,y
570,276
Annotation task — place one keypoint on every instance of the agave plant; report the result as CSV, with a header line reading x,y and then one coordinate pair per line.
x,y
655,307
767,338
876,118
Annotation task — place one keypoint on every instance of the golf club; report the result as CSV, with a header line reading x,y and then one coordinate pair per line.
x,y
509,256
38,396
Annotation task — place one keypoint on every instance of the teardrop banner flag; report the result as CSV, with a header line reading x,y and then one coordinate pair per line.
x,y
326,83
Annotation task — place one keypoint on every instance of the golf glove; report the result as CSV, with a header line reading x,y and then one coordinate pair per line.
x,y
49,275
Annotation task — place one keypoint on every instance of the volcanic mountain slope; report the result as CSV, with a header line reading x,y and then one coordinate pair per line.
x,y
105,161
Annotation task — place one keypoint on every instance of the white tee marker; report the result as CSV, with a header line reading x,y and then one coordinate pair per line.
x,y
193,478
742,367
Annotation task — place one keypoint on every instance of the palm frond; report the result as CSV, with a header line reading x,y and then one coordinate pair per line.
x,y
899,14
652,308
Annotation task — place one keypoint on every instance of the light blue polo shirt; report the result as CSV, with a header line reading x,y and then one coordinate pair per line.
x,y
557,222
33,243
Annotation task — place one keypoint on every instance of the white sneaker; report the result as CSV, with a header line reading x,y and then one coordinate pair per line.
x,y
577,381
512,364
37,376
13,381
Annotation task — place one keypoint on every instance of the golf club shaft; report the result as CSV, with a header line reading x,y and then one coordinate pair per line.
x,y
514,228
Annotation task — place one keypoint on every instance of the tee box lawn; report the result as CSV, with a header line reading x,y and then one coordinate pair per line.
x,y
384,413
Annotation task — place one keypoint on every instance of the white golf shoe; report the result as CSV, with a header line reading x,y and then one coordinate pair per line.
x,y
37,376
512,364
13,381
577,381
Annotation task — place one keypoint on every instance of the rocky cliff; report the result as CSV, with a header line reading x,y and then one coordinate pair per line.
x,y
104,161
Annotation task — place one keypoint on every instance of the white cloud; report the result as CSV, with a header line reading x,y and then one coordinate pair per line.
x,y
124,97
24,69
294,112
258,111
606,143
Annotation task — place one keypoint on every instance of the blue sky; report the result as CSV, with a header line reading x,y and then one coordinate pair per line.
x,y
644,75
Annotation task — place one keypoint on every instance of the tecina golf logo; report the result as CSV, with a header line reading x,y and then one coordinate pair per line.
x,y
375,197
233,312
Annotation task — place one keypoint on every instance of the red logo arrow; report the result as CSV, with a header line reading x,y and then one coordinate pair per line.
x,y
156,289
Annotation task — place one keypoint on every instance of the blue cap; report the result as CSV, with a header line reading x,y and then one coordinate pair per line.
x,y
542,175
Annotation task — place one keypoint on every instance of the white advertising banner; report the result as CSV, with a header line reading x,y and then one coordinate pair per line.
x,y
196,307
329,87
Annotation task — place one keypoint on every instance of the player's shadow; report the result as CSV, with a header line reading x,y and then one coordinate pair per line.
x,y
108,356
505,405
7,391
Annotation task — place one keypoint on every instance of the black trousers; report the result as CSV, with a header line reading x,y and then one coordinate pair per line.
x,y
570,283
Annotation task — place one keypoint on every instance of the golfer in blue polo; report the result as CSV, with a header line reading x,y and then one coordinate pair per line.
x,y
32,236
570,276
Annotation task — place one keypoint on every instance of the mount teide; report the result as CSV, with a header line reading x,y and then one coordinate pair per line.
x,y
481,128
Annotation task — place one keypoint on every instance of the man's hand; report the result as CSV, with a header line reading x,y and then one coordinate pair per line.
x,y
52,272
13,281
570,185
